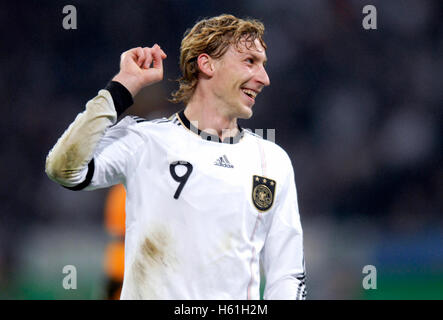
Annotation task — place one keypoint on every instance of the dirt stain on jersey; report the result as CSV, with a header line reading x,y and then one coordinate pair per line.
x,y
71,156
154,260
71,160
56,167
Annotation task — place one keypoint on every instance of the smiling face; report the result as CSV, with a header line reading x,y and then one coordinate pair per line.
x,y
239,76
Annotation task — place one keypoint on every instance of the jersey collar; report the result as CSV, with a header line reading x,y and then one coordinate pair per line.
x,y
205,135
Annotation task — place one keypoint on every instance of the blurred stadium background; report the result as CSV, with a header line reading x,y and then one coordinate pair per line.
x,y
359,112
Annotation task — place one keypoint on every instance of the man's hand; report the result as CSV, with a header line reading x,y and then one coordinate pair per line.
x,y
136,71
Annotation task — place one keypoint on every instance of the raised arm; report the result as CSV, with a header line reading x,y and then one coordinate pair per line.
x,y
70,162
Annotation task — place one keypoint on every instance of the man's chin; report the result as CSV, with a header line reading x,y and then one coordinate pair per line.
x,y
246,113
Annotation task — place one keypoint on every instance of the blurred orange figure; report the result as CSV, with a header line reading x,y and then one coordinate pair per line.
x,y
115,251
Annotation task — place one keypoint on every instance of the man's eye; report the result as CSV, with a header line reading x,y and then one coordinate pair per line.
x,y
250,60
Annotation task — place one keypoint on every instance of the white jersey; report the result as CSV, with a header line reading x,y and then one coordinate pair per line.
x,y
201,215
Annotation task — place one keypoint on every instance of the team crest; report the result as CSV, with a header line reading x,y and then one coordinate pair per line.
x,y
263,191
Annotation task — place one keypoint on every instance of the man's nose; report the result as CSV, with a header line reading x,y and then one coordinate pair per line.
x,y
262,77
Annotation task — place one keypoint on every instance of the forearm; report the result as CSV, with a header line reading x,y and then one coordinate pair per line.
x,y
68,160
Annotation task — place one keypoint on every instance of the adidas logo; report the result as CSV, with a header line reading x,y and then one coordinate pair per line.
x,y
223,162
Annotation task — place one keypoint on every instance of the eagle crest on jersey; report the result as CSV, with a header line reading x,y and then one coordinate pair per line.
x,y
263,190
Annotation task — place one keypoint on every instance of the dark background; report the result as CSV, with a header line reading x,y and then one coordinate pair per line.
x,y
359,112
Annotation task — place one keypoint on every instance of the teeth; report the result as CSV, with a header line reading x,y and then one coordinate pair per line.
x,y
250,93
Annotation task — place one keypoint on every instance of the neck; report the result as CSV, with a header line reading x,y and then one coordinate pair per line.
x,y
205,114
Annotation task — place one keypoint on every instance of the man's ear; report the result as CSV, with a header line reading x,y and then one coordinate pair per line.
x,y
206,64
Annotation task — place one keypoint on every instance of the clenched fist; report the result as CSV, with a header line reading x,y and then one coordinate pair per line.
x,y
136,71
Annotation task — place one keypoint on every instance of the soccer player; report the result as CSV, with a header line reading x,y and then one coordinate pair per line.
x,y
208,202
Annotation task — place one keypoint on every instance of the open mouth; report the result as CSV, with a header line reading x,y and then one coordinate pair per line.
x,y
250,93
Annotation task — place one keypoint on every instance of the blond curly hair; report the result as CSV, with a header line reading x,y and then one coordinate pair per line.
x,y
213,37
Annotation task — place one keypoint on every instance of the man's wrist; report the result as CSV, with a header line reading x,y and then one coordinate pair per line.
x,y
130,83
121,96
